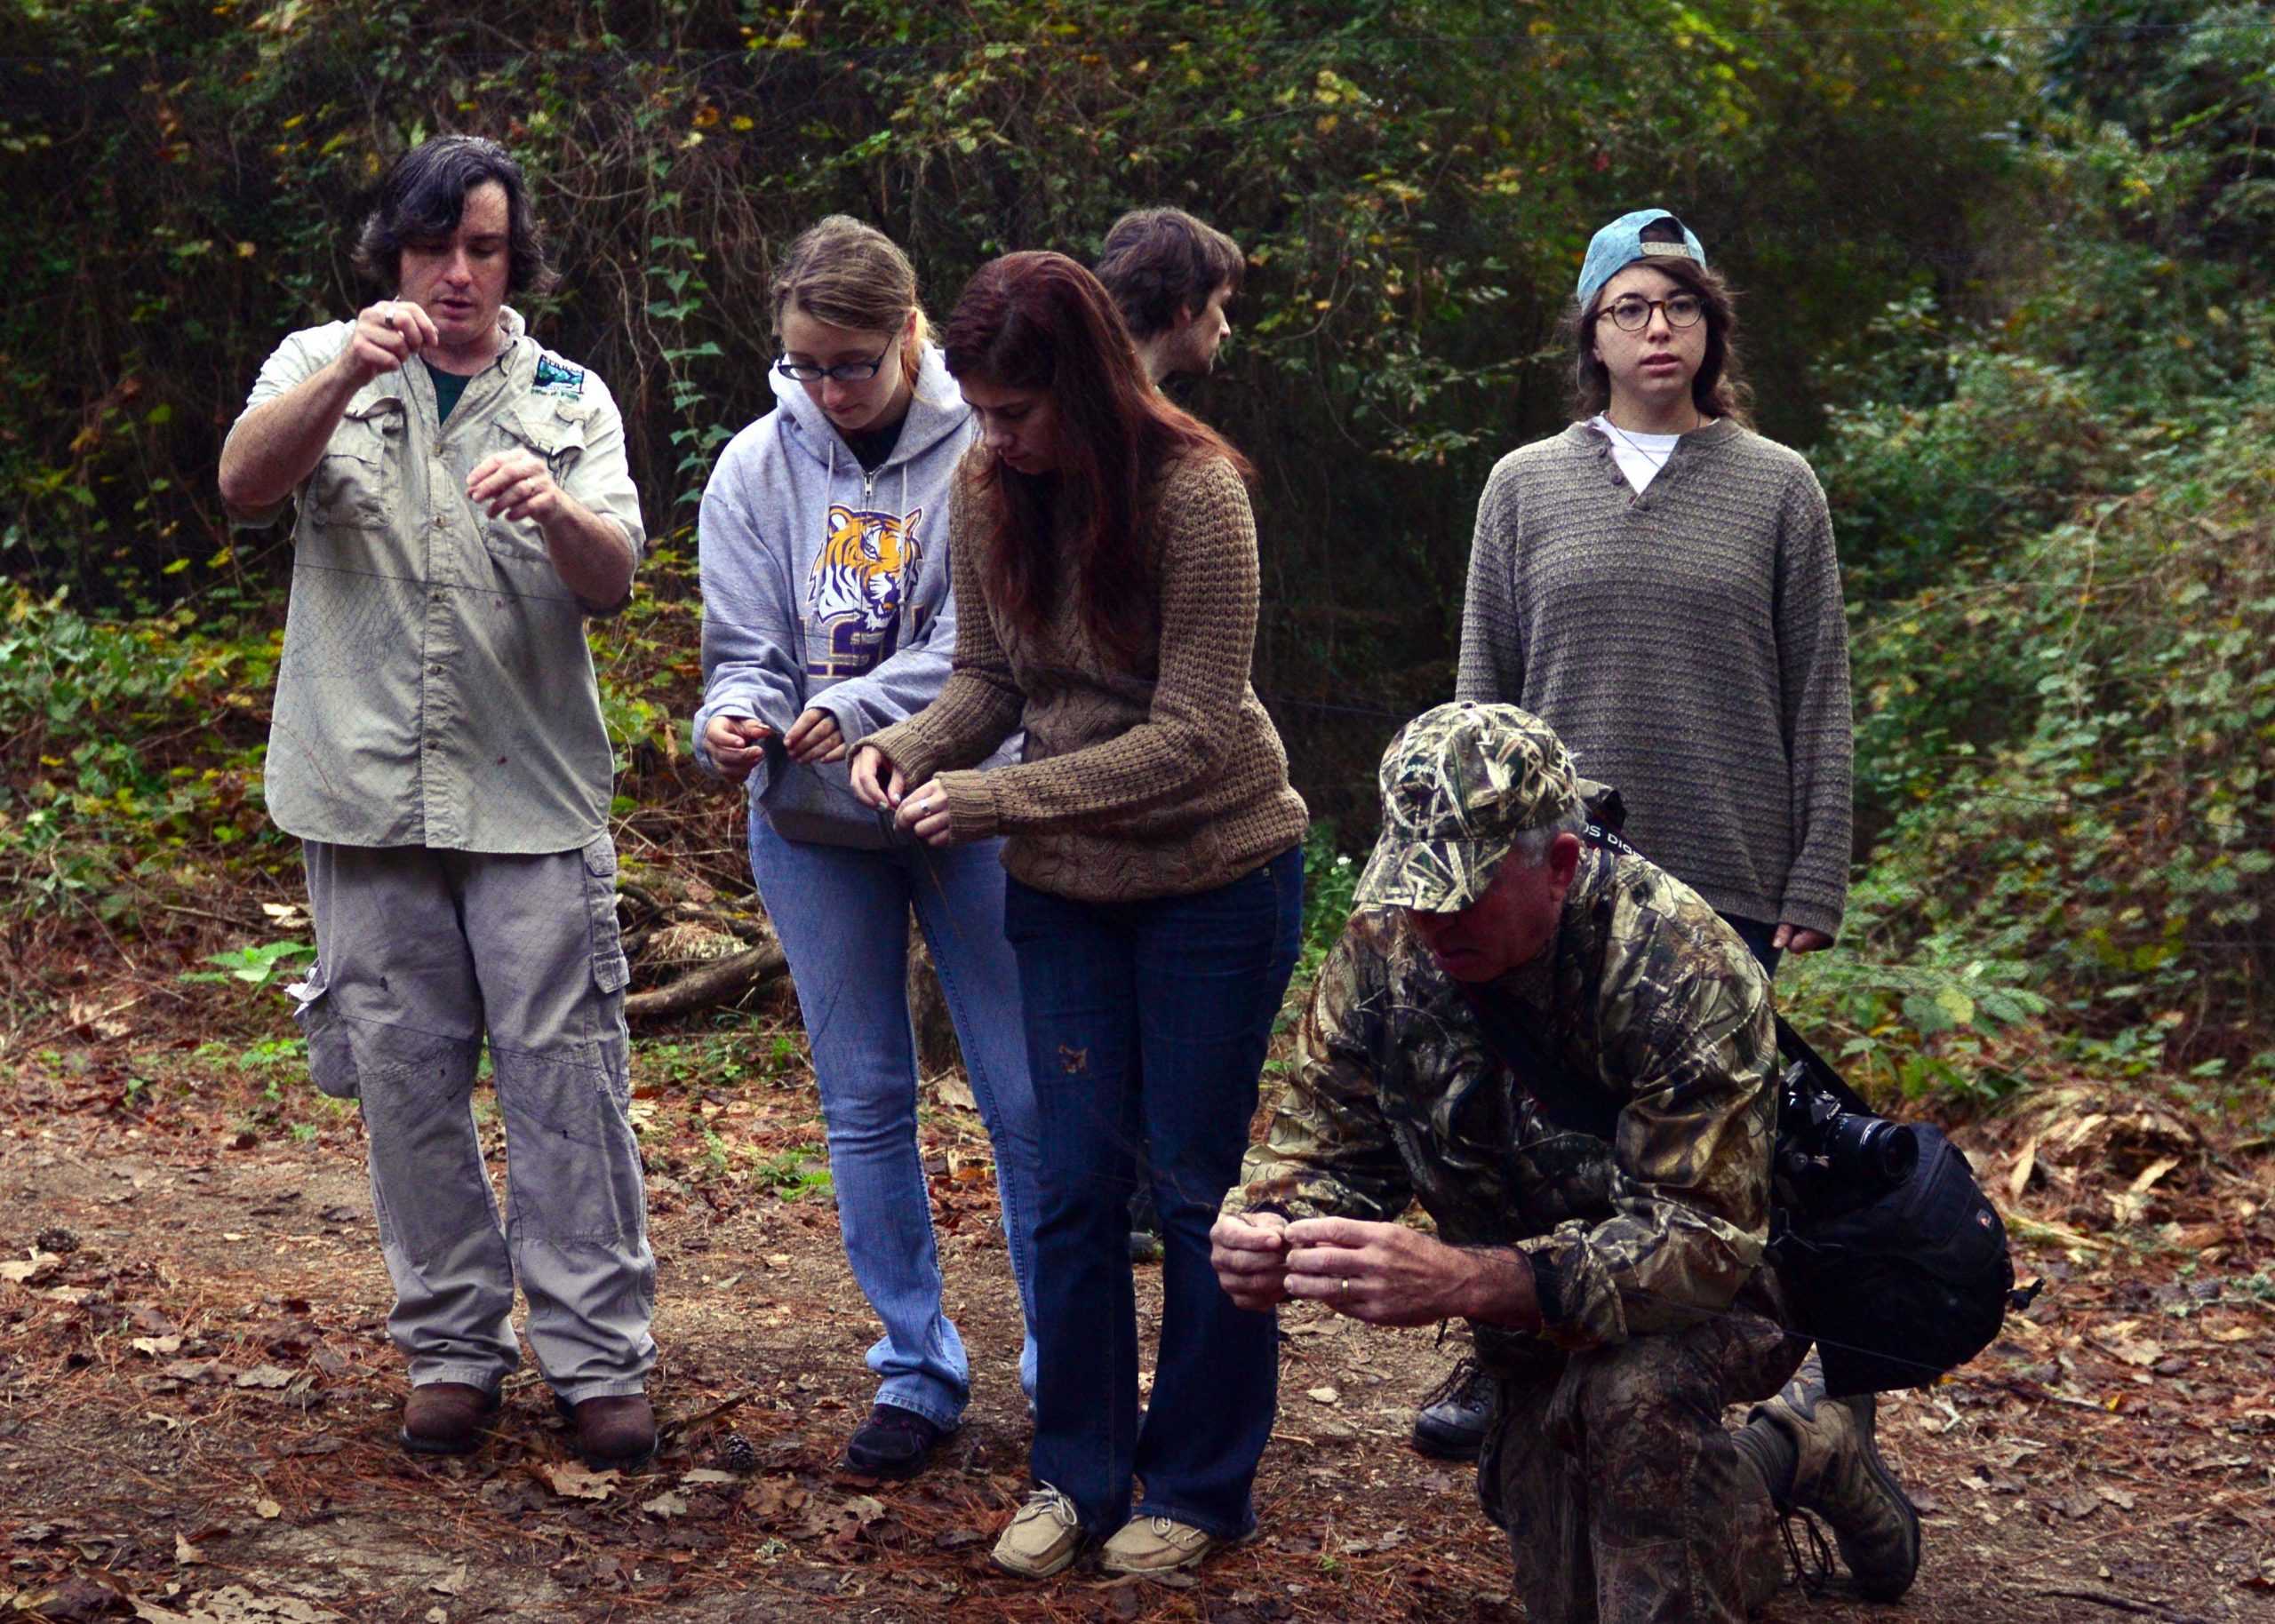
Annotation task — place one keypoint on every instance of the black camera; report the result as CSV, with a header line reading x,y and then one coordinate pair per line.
x,y
1833,1158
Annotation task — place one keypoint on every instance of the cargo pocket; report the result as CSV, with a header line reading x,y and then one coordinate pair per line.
x,y
610,973
331,1053
350,487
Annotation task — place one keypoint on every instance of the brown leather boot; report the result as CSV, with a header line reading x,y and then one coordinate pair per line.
x,y
1839,1474
617,1433
444,1417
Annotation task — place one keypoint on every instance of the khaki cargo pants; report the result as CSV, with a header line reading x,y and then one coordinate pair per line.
x,y
1623,1497
421,955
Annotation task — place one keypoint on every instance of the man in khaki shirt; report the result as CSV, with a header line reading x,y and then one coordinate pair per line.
x,y
462,503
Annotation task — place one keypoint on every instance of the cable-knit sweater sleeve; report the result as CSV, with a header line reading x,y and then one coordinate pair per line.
x,y
1813,665
1492,667
1208,591
979,707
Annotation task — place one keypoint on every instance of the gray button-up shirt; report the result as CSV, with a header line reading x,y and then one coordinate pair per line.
x,y
436,687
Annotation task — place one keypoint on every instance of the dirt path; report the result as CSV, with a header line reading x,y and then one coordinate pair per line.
x,y
197,1399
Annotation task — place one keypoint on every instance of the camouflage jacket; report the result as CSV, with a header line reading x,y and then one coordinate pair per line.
x,y
1646,996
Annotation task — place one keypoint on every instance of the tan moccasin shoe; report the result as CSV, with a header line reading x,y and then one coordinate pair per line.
x,y
1044,1537
1156,1545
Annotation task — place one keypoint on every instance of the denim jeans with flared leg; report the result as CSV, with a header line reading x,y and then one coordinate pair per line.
x,y
1148,1021
842,915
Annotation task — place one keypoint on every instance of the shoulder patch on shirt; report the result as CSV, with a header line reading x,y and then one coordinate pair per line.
x,y
555,376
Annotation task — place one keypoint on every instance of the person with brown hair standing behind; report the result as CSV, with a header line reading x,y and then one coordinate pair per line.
x,y
1657,583
827,615
1105,564
1171,276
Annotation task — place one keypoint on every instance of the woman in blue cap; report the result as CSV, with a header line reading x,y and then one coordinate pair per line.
x,y
1658,583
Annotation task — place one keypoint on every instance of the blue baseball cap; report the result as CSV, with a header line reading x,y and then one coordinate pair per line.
x,y
1621,245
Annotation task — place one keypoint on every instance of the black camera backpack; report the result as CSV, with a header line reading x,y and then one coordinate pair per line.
x,y
1898,1288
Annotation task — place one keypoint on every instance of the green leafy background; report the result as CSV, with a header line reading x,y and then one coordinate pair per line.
x,y
2003,279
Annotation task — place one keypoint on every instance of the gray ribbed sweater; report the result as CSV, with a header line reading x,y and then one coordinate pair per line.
x,y
1688,643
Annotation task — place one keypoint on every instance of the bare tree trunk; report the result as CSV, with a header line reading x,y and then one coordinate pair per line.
x,y
719,982
927,1013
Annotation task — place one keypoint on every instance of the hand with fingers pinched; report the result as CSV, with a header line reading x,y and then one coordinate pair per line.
x,y
517,484
1249,1254
386,335
815,738
735,744
876,782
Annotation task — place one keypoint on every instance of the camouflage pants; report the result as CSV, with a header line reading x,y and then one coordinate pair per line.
x,y
1624,1499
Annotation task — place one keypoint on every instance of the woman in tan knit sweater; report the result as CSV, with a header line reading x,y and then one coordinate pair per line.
x,y
1105,564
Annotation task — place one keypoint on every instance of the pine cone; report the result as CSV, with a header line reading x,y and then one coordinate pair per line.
x,y
57,1239
735,1454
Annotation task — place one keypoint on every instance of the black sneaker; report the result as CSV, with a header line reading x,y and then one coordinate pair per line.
x,y
892,1443
1450,1424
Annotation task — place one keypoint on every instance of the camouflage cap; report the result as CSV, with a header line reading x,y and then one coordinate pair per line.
x,y
1459,784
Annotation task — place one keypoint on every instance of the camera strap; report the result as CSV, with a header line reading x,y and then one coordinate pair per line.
x,y
1796,1048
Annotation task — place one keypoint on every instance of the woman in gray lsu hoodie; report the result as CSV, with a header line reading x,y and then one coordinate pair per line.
x,y
827,616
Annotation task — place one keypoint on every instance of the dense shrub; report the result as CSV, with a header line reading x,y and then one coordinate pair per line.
x,y
2065,603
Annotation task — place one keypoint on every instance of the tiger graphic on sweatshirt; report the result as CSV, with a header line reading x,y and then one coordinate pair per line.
x,y
864,576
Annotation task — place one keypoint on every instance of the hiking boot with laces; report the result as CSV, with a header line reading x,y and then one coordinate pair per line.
x,y
1044,1537
1450,1423
1156,1545
892,1443
1839,1475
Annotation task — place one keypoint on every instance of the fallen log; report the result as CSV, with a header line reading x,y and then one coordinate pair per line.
x,y
721,981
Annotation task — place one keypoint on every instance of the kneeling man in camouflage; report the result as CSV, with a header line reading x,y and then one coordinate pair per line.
x,y
1568,1059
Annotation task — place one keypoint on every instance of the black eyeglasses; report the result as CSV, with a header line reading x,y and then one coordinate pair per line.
x,y
843,373
1633,314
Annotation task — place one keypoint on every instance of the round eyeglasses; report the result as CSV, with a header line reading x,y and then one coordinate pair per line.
x,y
843,373
1633,314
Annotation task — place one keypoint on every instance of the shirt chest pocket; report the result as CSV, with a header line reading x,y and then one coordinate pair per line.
x,y
356,483
556,438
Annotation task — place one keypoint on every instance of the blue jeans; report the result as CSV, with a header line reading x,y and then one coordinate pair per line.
x,y
842,915
1147,1022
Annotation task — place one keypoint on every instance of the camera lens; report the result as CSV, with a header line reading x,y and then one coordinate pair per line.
x,y
1876,1149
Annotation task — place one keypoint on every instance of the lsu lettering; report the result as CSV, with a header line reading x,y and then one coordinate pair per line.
x,y
864,576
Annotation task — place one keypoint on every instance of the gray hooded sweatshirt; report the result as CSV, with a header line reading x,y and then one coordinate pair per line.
x,y
825,586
